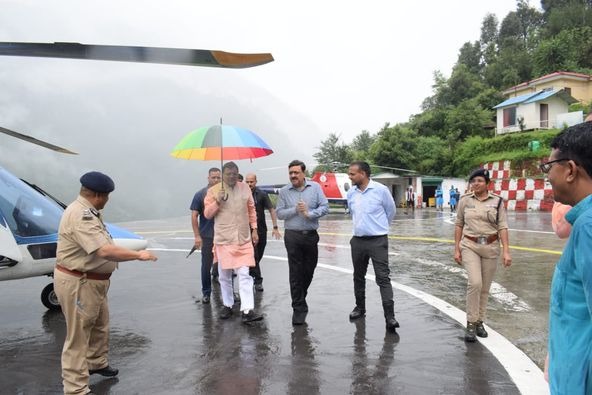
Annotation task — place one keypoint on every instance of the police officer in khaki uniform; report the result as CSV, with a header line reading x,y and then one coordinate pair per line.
x,y
480,224
86,257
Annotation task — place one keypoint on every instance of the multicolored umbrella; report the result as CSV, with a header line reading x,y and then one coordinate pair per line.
x,y
221,142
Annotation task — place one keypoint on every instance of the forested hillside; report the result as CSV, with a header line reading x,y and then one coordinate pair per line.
x,y
452,132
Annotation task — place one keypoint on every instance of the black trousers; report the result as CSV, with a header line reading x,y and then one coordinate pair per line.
x,y
362,250
303,254
255,272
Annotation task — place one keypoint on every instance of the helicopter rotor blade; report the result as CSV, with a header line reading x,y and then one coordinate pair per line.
x,y
178,56
33,140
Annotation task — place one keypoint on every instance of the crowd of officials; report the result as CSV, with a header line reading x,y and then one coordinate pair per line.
x,y
229,228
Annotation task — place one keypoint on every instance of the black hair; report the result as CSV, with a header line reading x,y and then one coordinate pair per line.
x,y
229,165
363,166
575,143
212,170
297,162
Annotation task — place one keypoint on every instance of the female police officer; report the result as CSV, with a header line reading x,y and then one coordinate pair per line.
x,y
480,223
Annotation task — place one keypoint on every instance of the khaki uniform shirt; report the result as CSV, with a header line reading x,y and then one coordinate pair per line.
x,y
81,233
235,217
478,218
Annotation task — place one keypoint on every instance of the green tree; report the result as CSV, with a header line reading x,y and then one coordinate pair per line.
x,y
570,50
361,144
333,154
566,14
489,31
394,147
470,56
469,118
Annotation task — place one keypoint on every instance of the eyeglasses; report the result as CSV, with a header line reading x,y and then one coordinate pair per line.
x,y
546,167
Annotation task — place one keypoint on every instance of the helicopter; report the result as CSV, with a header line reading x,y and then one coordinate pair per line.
x,y
29,216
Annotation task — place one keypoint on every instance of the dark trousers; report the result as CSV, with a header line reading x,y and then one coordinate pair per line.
x,y
363,249
303,254
207,257
255,272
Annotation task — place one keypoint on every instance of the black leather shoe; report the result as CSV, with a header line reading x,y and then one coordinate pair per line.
x,y
356,313
470,332
225,313
299,317
392,324
107,371
205,299
259,287
480,329
251,316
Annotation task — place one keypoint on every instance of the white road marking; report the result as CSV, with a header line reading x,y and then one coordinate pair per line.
x,y
527,376
497,291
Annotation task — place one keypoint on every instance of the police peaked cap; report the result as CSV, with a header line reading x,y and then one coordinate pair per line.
x,y
480,173
97,182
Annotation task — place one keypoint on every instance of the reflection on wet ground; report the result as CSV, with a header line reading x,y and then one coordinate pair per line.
x,y
165,341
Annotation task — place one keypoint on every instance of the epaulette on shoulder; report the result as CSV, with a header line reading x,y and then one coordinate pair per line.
x,y
467,194
495,195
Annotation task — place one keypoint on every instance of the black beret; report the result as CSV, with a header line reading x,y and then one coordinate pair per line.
x,y
480,173
97,182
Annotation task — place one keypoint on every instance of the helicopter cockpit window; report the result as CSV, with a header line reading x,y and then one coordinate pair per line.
x,y
346,186
27,212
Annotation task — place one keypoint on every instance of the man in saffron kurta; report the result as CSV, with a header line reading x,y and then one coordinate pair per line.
x,y
235,231
569,170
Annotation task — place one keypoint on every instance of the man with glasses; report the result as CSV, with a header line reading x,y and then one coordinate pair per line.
x,y
569,170
300,205
203,232
235,232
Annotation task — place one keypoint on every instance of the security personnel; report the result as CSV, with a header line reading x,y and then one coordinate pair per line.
x,y
86,257
481,222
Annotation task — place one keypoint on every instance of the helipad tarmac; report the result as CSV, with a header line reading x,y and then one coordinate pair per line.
x,y
165,341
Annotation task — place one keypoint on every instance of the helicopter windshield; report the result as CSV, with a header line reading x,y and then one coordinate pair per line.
x,y
26,211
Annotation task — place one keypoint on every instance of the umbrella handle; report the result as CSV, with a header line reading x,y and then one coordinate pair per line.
x,y
225,198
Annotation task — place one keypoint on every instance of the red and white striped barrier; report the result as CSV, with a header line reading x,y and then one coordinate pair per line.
x,y
520,194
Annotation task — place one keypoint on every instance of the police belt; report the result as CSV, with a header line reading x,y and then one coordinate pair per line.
x,y
482,239
88,275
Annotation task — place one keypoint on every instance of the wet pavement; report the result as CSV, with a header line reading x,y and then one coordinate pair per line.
x,y
164,340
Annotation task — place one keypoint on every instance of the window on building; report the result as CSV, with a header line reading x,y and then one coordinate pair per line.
x,y
509,116
567,90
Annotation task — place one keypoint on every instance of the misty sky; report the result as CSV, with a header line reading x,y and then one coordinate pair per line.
x,y
341,67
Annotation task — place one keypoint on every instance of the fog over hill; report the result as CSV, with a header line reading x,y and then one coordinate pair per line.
x,y
124,119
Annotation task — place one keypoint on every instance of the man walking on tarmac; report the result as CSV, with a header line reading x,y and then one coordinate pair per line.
x,y
235,232
373,208
262,203
203,231
569,170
